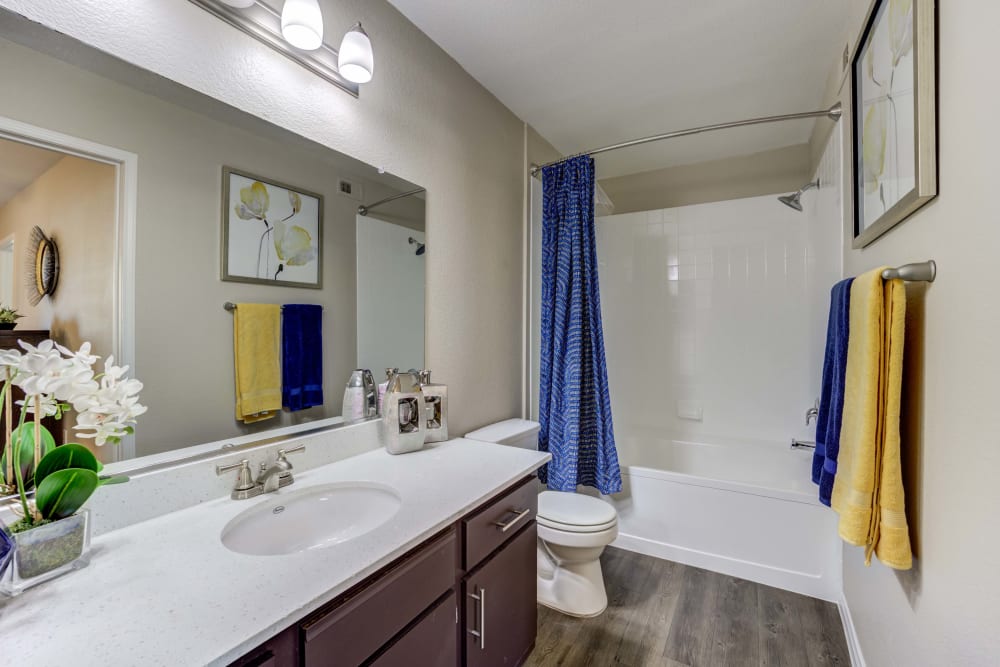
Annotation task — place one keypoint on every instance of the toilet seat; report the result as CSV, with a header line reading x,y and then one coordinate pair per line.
x,y
575,512
573,528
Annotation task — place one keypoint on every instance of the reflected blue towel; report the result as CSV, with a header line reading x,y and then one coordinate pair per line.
x,y
301,356
831,402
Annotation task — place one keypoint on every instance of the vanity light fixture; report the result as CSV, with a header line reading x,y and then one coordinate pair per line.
x,y
302,25
356,60
295,30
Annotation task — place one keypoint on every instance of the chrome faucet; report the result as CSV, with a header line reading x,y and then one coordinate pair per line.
x,y
269,480
812,413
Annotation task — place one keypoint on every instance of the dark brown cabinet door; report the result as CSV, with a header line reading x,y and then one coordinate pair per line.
x,y
429,643
500,612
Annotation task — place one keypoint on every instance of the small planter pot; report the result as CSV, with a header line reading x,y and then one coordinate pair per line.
x,y
7,326
47,552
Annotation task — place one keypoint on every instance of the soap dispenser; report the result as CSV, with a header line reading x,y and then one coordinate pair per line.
x,y
436,400
404,418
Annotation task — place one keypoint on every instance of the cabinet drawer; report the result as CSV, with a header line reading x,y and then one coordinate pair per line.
x,y
431,642
353,629
490,527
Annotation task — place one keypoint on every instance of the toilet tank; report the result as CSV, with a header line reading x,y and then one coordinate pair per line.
x,y
513,432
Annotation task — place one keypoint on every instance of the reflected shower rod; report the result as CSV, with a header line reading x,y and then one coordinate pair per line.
x,y
833,113
364,208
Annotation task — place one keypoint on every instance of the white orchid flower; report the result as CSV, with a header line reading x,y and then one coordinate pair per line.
x,y
10,362
108,414
47,405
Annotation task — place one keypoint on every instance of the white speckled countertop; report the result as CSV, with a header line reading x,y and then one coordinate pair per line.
x,y
167,592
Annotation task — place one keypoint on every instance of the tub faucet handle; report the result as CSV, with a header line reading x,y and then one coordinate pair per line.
x,y
812,413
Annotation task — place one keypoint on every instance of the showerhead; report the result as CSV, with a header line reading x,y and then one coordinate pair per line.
x,y
794,200
421,248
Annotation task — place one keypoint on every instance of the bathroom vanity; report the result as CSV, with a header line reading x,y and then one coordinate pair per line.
x,y
465,596
449,579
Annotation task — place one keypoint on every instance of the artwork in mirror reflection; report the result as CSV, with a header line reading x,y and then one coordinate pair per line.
x,y
182,337
272,233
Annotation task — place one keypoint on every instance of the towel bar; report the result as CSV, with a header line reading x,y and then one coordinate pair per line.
x,y
230,306
918,271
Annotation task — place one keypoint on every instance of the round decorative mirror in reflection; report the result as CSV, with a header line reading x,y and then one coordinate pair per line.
x,y
42,266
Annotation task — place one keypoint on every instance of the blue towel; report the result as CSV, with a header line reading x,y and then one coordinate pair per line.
x,y
831,402
301,356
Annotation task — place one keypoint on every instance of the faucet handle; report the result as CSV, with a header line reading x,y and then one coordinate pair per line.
x,y
244,479
291,450
285,478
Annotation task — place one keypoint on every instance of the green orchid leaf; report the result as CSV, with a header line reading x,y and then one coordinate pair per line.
x,y
26,435
65,457
63,492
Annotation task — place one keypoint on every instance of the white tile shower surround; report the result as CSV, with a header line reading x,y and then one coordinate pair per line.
x,y
708,318
167,592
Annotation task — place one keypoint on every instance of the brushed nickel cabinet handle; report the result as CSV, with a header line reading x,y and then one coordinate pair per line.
x,y
481,633
518,515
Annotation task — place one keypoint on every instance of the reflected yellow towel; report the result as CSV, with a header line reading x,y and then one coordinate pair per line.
x,y
868,489
257,346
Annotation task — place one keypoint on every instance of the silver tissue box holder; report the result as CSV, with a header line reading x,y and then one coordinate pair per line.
x,y
403,427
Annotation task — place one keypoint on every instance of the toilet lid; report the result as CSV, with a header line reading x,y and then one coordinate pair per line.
x,y
574,509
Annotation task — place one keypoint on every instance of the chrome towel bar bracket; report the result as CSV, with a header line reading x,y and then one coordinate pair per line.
x,y
916,272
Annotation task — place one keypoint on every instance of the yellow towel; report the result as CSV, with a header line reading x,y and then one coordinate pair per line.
x,y
868,489
257,344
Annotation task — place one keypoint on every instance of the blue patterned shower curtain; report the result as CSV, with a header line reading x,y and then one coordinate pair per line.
x,y
574,405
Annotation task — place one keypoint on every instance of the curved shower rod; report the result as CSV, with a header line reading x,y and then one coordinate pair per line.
x,y
364,208
833,113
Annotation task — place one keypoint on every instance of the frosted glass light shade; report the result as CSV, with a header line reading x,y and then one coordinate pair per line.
x,y
240,4
356,60
302,24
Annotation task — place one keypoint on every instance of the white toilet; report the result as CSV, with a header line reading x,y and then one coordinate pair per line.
x,y
573,530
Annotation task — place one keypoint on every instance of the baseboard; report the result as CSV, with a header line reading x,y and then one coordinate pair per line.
x,y
790,580
853,645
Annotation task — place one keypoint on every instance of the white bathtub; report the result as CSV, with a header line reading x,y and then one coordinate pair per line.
x,y
741,508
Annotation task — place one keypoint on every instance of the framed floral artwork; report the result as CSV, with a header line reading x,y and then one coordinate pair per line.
x,y
272,233
893,116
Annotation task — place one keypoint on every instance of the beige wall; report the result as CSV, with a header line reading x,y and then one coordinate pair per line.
x,y
946,610
422,117
74,203
769,172
536,151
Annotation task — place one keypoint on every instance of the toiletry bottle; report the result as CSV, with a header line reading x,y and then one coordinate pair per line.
x,y
436,402
403,426
353,407
389,374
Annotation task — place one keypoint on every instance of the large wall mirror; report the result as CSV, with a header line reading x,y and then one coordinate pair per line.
x,y
124,172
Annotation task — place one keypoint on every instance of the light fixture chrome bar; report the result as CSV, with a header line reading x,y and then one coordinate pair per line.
x,y
916,272
364,208
833,113
264,24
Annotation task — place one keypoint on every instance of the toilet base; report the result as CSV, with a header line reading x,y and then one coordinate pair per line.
x,y
575,589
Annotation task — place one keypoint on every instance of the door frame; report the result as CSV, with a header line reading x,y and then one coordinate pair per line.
x,y
126,166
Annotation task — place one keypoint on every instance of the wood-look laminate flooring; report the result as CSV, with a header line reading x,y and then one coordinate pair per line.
x,y
664,613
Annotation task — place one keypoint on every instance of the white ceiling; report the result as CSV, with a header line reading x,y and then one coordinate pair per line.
x,y
20,165
591,73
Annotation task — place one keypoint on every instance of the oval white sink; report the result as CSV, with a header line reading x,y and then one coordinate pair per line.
x,y
313,518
